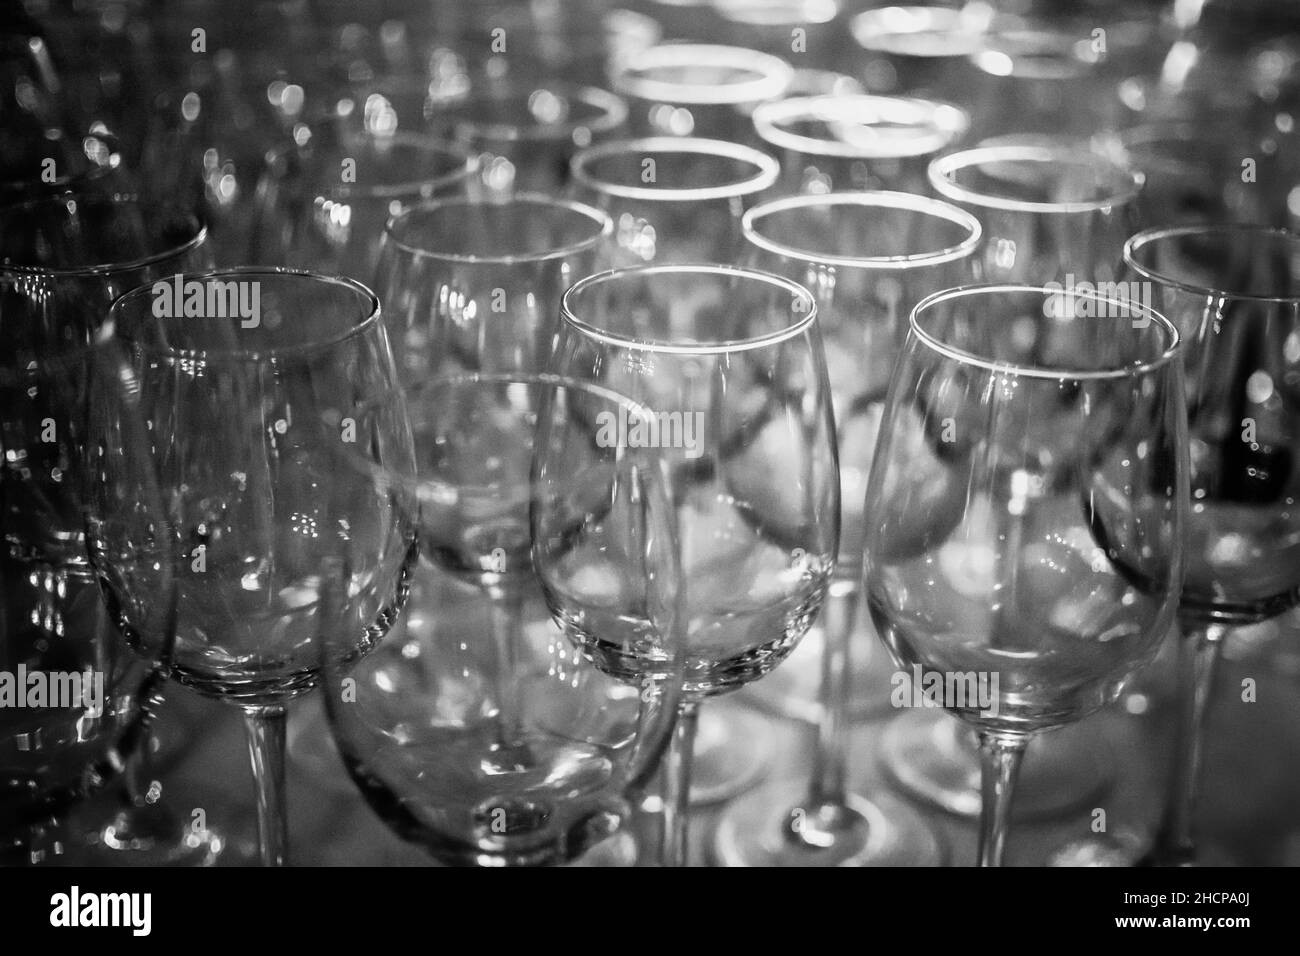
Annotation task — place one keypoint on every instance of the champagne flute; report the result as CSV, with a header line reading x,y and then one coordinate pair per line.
x,y
245,377
515,750
837,143
868,258
730,361
1234,293
1028,504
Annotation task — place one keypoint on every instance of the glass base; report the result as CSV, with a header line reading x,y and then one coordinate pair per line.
x,y
149,837
792,690
733,752
935,758
880,831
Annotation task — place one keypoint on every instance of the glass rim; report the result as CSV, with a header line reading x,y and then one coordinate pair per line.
x,y
768,169
891,109
1138,240
952,21
1169,353
468,168
200,235
773,74
570,317
924,205
792,13
598,217
940,168
1014,43
371,318
613,113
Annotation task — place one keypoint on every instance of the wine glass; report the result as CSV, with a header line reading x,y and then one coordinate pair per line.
x,y
836,143
525,134
1027,512
730,362
518,748
1234,293
921,50
1051,213
475,286
673,199
64,738
245,377
323,205
867,258
699,89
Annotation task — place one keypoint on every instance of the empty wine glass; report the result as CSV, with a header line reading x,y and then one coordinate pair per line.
x,y
1234,293
245,377
1028,504
1051,213
836,143
525,134
730,362
500,744
63,260
921,50
323,205
699,89
868,258
475,286
673,199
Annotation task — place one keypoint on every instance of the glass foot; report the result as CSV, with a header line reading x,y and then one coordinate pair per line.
x,y
934,757
880,831
792,690
733,752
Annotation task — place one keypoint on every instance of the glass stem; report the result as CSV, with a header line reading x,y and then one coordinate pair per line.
x,y
827,788
507,609
1000,756
266,737
1198,655
675,850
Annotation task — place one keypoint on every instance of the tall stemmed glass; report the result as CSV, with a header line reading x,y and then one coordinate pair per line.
x,y
505,746
323,205
1234,293
1051,213
730,362
246,403
868,258
837,143
475,286
673,199
1028,504
63,260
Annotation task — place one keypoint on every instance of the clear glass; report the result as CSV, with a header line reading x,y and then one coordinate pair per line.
x,y
730,362
323,205
475,286
1050,213
919,50
868,258
525,134
1234,293
699,89
513,749
673,199
1028,505
245,378
837,143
